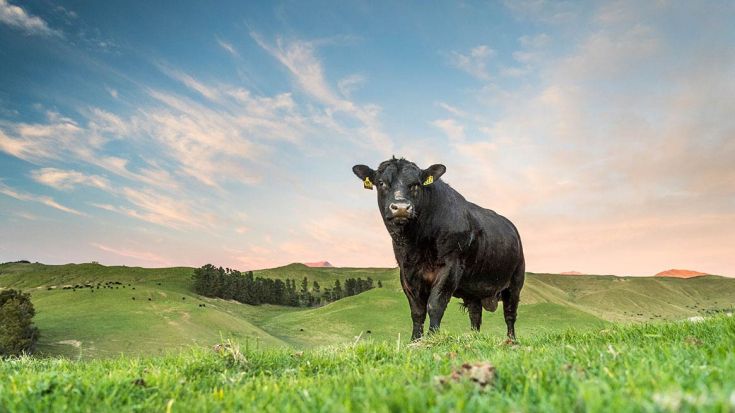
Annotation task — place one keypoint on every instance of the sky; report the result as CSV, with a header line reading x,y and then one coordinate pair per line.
x,y
177,134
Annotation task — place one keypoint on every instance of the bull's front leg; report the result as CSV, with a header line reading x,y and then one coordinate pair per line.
x,y
417,302
441,292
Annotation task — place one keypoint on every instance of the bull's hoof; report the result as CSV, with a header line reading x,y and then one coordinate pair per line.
x,y
490,303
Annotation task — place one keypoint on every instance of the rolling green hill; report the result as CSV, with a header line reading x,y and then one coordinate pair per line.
x,y
166,314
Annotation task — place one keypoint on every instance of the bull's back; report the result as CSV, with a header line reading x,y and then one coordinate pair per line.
x,y
499,250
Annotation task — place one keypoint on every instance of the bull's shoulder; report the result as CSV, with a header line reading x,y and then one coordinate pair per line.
x,y
491,221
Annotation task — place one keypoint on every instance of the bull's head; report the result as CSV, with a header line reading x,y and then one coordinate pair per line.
x,y
402,187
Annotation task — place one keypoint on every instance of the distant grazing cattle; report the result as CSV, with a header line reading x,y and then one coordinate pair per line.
x,y
446,246
133,298
149,299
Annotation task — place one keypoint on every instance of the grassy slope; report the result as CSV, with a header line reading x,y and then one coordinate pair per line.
x,y
676,366
108,322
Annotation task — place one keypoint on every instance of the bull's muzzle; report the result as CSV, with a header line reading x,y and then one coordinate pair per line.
x,y
401,210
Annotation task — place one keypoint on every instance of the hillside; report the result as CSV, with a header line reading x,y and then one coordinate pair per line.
x,y
108,321
662,367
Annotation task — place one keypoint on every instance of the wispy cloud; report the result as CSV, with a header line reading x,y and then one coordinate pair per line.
x,y
228,47
62,138
474,62
145,256
349,84
17,17
68,179
453,129
45,200
156,208
299,57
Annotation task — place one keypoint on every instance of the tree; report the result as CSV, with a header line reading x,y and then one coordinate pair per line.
x,y
337,290
202,280
316,289
17,333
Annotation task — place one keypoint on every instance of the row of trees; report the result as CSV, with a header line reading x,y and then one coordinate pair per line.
x,y
17,333
231,284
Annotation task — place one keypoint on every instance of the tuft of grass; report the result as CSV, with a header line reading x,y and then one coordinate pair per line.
x,y
675,366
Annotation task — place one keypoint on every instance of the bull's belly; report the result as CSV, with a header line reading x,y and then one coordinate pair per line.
x,y
478,288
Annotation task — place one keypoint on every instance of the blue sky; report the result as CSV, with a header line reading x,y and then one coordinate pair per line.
x,y
179,134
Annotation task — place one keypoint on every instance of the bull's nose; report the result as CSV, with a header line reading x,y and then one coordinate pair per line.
x,y
401,209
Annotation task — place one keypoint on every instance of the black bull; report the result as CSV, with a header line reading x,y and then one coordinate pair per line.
x,y
446,246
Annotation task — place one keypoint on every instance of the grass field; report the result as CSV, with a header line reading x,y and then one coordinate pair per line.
x,y
656,367
107,322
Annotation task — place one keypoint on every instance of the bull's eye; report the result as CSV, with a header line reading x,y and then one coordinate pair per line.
x,y
414,188
382,184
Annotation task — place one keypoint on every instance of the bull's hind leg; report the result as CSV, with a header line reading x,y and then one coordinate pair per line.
x,y
474,308
511,296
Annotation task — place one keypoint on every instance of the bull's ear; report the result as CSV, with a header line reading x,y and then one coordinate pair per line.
x,y
432,173
366,175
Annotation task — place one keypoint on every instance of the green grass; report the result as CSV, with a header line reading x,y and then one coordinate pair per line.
x,y
673,366
107,323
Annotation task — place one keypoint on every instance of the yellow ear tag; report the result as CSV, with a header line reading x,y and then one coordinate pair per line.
x,y
429,180
367,184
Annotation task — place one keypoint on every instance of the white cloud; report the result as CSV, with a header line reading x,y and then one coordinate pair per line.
x,y
453,130
157,208
538,41
533,53
32,142
228,47
210,93
299,57
144,256
349,84
474,62
113,92
213,143
24,196
26,215
68,179
452,109
16,17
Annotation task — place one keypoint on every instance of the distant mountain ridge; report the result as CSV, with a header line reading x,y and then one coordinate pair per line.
x,y
674,273
571,273
319,264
